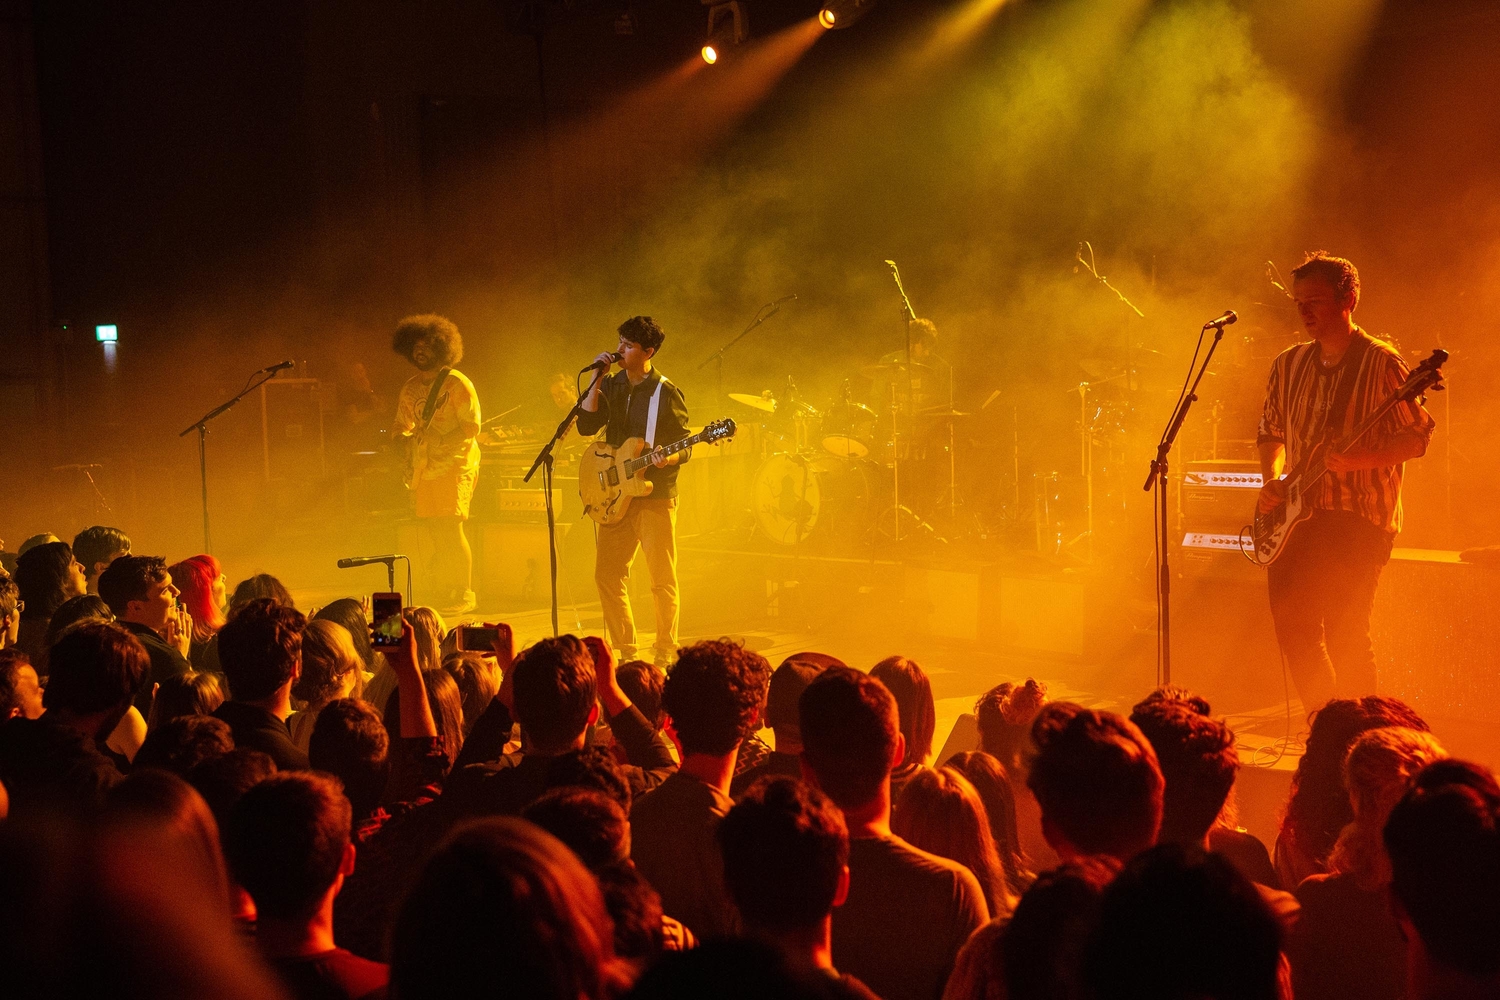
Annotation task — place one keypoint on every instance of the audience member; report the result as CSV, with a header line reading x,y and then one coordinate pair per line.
x,y
97,670
1318,808
196,692
735,969
183,742
261,651
11,607
200,581
553,687
502,902
786,865
429,629
989,779
918,715
1443,842
446,704
97,547
20,690
84,607
173,808
1347,943
330,670
288,843
1244,851
1097,781
908,912
643,681
350,613
47,575
478,679
42,538
352,744
140,592
261,586
596,828
941,813
1039,951
788,682
714,695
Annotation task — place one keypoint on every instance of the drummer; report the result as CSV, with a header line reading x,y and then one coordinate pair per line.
x,y
928,382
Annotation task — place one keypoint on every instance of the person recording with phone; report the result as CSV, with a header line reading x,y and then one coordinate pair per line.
x,y
639,402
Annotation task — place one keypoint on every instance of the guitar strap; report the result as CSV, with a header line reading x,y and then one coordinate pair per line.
x,y
1338,410
655,409
432,397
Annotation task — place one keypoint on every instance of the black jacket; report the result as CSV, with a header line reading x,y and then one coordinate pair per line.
x,y
165,662
257,729
623,410
43,762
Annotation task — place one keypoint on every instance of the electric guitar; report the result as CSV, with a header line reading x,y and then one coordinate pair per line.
x,y
1272,528
608,477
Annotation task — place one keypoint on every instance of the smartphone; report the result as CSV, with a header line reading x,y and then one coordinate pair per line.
x,y
478,638
385,618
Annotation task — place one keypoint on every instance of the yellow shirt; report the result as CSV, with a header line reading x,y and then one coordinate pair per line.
x,y
438,451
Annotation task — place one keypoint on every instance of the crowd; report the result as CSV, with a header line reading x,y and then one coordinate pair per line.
x,y
208,793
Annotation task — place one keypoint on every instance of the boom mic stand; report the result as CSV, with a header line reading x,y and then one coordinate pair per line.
x,y
201,426
1158,479
544,461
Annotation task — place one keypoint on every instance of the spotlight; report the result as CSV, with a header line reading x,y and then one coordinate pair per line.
x,y
727,27
843,13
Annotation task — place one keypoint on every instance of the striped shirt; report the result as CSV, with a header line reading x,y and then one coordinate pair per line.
x,y
1298,399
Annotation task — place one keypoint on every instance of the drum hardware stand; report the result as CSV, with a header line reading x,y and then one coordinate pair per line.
x,y
909,315
1158,478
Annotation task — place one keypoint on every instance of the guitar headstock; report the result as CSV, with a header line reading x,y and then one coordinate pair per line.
x,y
718,430
1427,375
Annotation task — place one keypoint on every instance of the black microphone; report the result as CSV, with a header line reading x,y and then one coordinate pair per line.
x,y
281,367
614,359
784,298
1221,322
367,560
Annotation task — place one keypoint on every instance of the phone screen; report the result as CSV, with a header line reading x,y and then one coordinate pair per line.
x,y
386,616
478,638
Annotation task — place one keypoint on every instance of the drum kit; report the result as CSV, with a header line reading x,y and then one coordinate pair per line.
x,y
841,474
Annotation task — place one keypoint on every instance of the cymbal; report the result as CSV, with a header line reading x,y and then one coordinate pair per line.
x,y
765,404
885,368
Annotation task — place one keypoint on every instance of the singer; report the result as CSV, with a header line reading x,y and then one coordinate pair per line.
x,y
437,416
638,401
1322,588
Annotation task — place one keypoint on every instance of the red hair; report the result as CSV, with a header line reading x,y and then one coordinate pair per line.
x,y
195,577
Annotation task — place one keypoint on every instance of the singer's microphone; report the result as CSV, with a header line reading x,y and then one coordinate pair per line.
x,y
614,359
279,367
1221,322
367,560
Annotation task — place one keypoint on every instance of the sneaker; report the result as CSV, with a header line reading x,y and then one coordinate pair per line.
x,y
462,606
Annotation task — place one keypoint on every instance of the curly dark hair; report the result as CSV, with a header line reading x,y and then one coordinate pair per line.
x,y
645,331
260,648
349,740
785,847
1318,807
590,821
555,689
642,683
438,331
183,742
1198,761
715,694
1337,271
95,666
1174,693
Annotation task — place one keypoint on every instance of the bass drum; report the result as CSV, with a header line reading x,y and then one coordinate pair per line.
x,y
800,499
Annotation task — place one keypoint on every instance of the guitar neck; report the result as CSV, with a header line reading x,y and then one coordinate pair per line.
x,y
634,465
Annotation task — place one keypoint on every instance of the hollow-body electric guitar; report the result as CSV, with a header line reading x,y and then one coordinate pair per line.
x,y
1268,535
609,478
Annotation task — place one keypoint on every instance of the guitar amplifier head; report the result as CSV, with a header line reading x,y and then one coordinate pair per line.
x,y
1218,497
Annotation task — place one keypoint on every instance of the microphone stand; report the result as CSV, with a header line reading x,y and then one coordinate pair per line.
x,y
1157,478
544,460
201,426
909,315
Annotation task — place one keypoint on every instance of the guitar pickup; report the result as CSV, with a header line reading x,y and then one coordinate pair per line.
x,y
612,475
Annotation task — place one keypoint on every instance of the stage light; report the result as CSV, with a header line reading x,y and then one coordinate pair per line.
x,y
843,13
727,27
107,334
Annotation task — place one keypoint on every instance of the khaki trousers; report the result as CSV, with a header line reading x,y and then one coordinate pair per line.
x,y
650,524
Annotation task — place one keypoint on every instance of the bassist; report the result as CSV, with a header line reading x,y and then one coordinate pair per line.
x,y
1322,587
638,402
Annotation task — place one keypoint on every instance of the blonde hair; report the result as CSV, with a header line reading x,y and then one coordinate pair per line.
x,y
941,812
328,655
1378,770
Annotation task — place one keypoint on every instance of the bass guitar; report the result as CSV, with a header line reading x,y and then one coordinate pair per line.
x,y
609,478
1268,535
